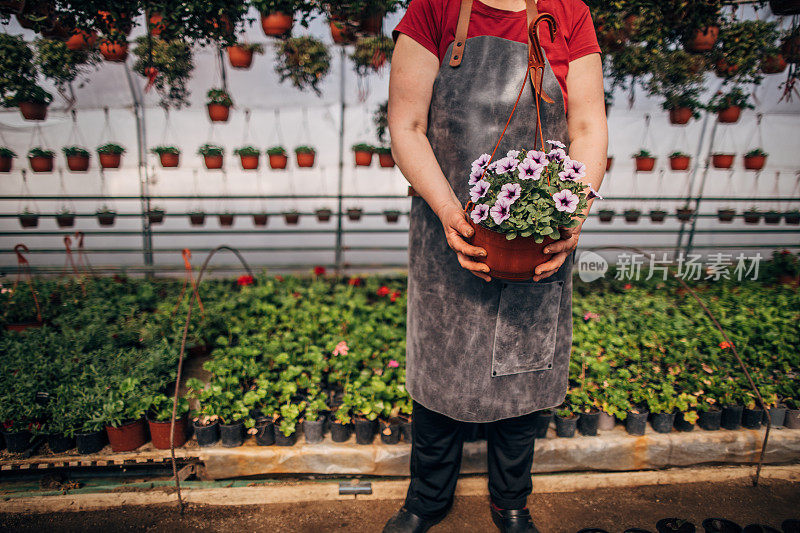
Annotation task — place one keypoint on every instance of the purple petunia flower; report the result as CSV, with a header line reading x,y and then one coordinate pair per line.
x,y
479,190
556,155
481,161
593,194
566,200
513,153
510,192
530,170
507,164
500,211
568,174
475,175
479,213
556,143
576,166
540,158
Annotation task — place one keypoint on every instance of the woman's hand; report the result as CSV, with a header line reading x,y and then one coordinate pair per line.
x,y
560,250
456,230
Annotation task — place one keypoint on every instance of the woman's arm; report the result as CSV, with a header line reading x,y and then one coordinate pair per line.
x,y
414,70
588,133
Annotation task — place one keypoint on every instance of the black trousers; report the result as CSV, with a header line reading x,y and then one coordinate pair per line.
x,y
436,460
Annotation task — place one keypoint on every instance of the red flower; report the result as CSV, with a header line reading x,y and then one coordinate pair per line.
x,y
319,270
725,345
395,295
383,291
245,280
355,282
628,286
278,278
296,294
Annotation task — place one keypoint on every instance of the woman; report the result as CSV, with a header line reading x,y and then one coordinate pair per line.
x,y
478,349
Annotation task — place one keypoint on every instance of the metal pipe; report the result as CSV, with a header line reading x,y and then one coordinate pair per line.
x,y
690,239
340,177
693,173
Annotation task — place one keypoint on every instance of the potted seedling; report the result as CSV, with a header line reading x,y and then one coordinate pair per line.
x,y
392,215
755,159
28,219
197,218
169,156
632,215
684,214
679,161
32,102
726,214
772,217
354,213
205,421
226,219
249,157
159,419
291,217
657,215
363,154
606,215
752,216
324,214
385,158
682,106
566,420
313,422
645,162
105,216
7,156
305,156
218,105
286,435
77,158
722,160
792,217
241,54
41,160
123,414
729,106
110,155
155,215
277,16
277,157
213,155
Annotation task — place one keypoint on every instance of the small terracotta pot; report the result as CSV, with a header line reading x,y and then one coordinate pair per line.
x,y
680,115
114,52
249,162
386,160
260,219
774,64
6,163
723,161
110,160
703,39
645,164
513,260
278,161
197,219
78,163
160,433
658,215
305,159
169,160
33,110
729,115
41,164
363,159
81,40
679,162
128,436
218,112
226,219
324,215
240,57
276,24
213,162
755,162
291,218
354,214
340,32
609,162
392,216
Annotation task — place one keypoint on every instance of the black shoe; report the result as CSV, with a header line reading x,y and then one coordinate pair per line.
x,y
404,521
513,520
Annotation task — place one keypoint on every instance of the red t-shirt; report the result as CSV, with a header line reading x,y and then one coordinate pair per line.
x,y
432,23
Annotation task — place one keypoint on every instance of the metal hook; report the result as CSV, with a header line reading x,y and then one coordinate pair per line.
x,y
18,249
187,256
536,59
79,238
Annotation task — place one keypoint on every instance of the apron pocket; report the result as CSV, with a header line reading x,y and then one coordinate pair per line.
x,y
525,334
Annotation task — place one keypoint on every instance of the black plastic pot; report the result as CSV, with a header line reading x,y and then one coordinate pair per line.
x,y
17,441
791,525
681,424
313,430
721,525
674,525
751,418
232,435
390,432
731,416
565,427
93,442
405,431
636,530
587,423
662,422
60,443
266,433
759,528
283,440
365,431
710,420
341,432
206,435
792,420
541,421
777,416
636,422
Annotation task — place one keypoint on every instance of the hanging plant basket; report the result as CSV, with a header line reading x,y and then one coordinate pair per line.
x,y
106,217
680,115
392,216
78,162
226,219
755,161
65,219
277,158
110,155
752,216
722,160
772,217
241,55
169,156
198,218
632,215
609,162
213,156
773,64
658,215
6,159
679,162
729,115
342,31
785,7
305,155
33,110
726,215
790,48
645,163
291,217
684,214
250,161
792,217
371,24
703,39
324,214
363,154
260,219
28,220
155,216
606,215
41,160
156,24
276,24
113,52
354,213
218,112
725,69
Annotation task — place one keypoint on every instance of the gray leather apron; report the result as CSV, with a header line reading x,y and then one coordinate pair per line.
x,y
478,351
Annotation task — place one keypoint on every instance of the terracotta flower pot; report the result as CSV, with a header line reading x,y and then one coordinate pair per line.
x,y
6,163
226,219
703,39
81,40
278,161
41,164
392,216
110,160
729,115
33,110
78,163
386,160
260,219
726,215
645,164
240,57
324,215
160,433
609,162
774,64
276,24
363,159
341,32
169,160
249,162
684,214
128,436
114,52
305,159
680,115
755,162
658,215
513,260
218,112
723,161
679,162
354,214
213,162
291,218
197,219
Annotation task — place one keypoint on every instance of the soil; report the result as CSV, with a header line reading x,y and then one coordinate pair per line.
x,y
614,510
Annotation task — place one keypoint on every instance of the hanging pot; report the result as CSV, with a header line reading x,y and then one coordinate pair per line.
x,y
792,217
206,435
324,215
684,214
790,48
278,161
605,215
645,164
305,159
386,160
513,260
128,436
291,218
218,112
772,217
729,115
679,163
160,433
354,213
114,52
169,159
33,110
110,160
114,22
755,162
240,57
363,158
260,219
213,162
680,115
155,216
657,215
6,163
78,163
226,219
703,39
28,220
609,162
722,161
82,40
341,32
726,215
106,218
632,215
65,220
276,24
392,216
752,217
197,219
774,64
249,162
